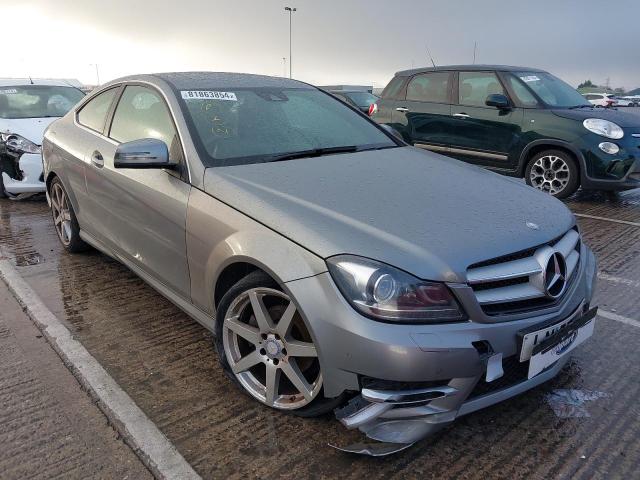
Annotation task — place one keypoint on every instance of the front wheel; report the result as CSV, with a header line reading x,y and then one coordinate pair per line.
x,y
554,172
265,347
3,192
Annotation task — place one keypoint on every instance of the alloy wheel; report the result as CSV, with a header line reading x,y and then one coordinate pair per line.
x,y
550,174
61,213
269,349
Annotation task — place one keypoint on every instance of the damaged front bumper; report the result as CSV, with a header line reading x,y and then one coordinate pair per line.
x,y
410,381
22,174
403,417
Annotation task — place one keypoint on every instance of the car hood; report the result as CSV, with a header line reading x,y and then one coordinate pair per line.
x,y
425,213
623,119
30,128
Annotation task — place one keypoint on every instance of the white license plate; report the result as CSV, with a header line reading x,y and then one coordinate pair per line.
x,y
530,340
566,341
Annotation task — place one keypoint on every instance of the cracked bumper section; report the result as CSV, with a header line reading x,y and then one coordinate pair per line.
x,y
415,379
31,166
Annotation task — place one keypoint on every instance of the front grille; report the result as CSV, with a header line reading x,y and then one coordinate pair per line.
x,y
514,372
515,283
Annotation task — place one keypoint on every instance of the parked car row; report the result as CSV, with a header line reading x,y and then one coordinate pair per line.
x,y
517,121
339,267
27,108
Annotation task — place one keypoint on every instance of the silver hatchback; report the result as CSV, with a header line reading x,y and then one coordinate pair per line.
x,y
338,267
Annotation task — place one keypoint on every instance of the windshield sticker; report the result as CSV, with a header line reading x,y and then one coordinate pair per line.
x,y
8,91
208,94
529,78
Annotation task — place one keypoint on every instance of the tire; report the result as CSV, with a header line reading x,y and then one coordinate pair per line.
x,y
554,172
3,192
64,219
262,348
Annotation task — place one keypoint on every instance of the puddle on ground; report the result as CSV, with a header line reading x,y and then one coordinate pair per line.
x,y
570,403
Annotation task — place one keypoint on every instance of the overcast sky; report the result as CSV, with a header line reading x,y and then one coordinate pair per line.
x,y
348,41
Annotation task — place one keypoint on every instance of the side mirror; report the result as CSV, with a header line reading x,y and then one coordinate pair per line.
x,y
497,100
145,153
392,131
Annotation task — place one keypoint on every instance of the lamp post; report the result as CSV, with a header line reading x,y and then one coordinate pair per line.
x,y
290,10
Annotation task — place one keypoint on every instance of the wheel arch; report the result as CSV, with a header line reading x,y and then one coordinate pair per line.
x,y
538,146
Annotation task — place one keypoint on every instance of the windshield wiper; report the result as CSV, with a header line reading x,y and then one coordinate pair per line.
x,y
315,152
584,105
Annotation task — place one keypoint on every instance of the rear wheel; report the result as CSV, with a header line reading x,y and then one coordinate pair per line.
x,y
64,218
554,172
265,347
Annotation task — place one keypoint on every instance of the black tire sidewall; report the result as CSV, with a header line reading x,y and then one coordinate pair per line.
x,y
3,192
259,279
574,172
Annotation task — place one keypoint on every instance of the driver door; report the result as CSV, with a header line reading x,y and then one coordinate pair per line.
x,y
149,206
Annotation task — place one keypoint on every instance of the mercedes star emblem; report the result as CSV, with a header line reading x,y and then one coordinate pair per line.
x,y
555,275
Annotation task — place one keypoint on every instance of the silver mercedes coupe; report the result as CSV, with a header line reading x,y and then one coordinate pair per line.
x,y
339,268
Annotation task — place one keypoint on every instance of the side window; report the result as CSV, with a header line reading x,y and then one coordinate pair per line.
x,y
94,113
429,87
474,87
142,113
522,93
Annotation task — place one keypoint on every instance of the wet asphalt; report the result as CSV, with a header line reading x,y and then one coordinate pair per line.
x,y
166,363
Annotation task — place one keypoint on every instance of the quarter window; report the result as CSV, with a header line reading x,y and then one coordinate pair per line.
x,y
393,89
429,87
522,93
475,87
142,113
94,113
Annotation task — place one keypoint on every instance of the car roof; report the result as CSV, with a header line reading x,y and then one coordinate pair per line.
x,y
209,80
467,68
25,82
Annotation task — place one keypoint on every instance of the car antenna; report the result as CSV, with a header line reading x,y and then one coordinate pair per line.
x,y
475,46
31,80
431,57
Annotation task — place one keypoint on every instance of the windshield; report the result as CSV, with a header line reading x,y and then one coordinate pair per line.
x,y
37,101
553,91
251,125
362,99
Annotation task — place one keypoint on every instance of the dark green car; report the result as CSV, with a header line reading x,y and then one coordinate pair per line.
x,y
518,121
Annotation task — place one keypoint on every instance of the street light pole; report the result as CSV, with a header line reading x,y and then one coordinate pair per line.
x,y
290,10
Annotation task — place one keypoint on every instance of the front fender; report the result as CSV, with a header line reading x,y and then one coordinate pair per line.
x,y
218,236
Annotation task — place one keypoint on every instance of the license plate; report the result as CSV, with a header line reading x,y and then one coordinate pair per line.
x,y
561,343
535,335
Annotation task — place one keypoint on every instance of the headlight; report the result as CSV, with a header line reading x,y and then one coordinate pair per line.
x,y
19,144
385,293
603,127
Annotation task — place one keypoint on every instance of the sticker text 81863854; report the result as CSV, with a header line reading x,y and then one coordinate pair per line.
x,y
207,95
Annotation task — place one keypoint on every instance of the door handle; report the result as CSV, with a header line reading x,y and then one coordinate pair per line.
x,y
97,160
461,115
402,109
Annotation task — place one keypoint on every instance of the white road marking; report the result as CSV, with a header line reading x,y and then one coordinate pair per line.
x,y
619,280
153,448
605,219
618,318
